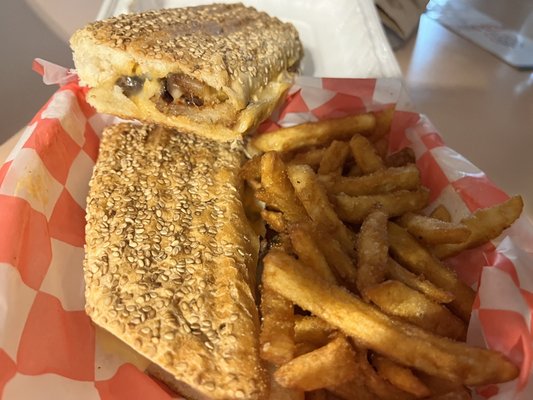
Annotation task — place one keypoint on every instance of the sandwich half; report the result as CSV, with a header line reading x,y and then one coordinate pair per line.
x,y
170,259
216,70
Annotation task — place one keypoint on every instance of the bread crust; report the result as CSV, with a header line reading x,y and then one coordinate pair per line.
x,y
242,54
170,259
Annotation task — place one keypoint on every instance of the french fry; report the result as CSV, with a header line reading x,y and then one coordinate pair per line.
x,y
399,376
316,395
314,133
311,330
485,225
278,392
334,158
251,170
277,190
375,383
383,123
457,394
337,259
311,157
442,213
433,231
355,389
276,338
398,300
309,253
365,155
445,390
354,171
330,365
382,147
354,209
379,182
401,158
397,272
402,342
274,219
415,257
315,200
372,251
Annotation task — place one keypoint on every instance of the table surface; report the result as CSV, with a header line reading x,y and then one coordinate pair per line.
x,y
482,107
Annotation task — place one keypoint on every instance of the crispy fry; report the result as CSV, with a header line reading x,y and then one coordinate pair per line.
x,y
274,219
317,395
251,170
315,133
383,123
457,394
370,328
433,231
415,257
355,208
379,182
398,300
372,251
382,147
365,155
308,252
355,389
311,330
445,390
276,338
401,158
397,272
277,190
399,376
485,225
278,392
330,365
442,213
315,200
310,157
334,158
337,259
375,383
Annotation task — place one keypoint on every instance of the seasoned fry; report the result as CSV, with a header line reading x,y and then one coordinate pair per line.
x,y
308,252
274,219
365,155
442,213
334,158
355,208
311,330
311,157
401,158
337,259
485,225
383,123
278,392
399,376
315,133
315,200
445,390
415,257
277,190
330,365
379,182
372,251
276,338
398,300
375,383
433,231
370,328
397,272
316,395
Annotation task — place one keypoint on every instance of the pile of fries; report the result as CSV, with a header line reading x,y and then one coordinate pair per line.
x,y
355,300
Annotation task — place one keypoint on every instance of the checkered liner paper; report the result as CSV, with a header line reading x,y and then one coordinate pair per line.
x,y
48,347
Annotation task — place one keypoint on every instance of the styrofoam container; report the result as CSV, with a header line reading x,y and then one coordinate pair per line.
x,y
341,38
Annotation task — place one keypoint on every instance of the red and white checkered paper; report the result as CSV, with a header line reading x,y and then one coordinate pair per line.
x,y
48,347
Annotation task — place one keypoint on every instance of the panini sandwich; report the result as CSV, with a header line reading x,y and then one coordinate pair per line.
x,y
170,259
216,70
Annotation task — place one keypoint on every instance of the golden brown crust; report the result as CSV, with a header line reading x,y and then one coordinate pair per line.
x,y
235,50
170,258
